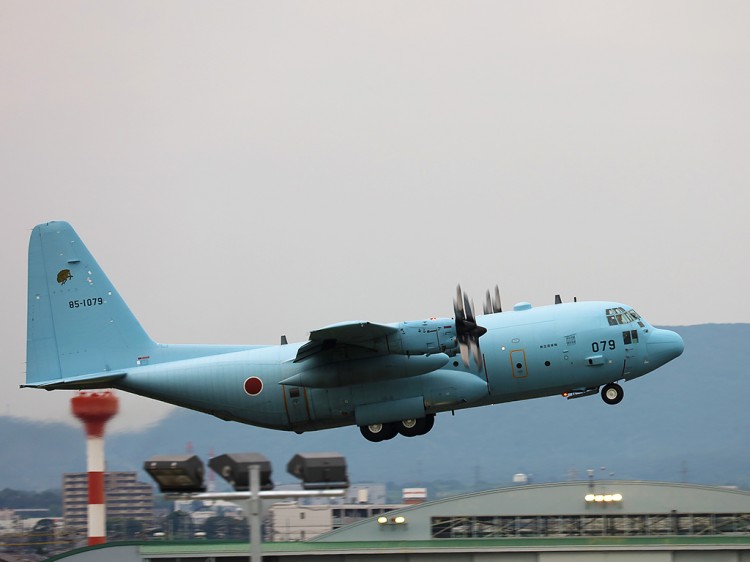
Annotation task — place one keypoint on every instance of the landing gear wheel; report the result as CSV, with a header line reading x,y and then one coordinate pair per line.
x,y
612,393
429,422
414,427
379,431
409,428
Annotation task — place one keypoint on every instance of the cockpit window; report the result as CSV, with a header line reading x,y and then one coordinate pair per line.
x,y
619,315
630,337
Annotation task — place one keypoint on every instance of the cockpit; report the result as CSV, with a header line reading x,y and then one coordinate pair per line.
x,y
662,345
619,315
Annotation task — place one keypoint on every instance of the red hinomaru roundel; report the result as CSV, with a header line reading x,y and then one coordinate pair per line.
x,y
253,386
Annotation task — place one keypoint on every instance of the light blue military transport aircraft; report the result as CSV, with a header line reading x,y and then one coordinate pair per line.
x,y
388,379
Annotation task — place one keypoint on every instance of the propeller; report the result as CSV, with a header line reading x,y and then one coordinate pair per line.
x,y
492,304
468,331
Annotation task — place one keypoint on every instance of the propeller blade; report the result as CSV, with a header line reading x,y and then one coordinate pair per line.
x,y
492,303
487,303
469,309
477,354
458,305
496,307
468,331
465,353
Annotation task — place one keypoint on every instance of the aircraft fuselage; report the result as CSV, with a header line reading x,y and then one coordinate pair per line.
x,y
543,351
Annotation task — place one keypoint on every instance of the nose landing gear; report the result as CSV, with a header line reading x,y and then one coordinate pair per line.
x,y
612,393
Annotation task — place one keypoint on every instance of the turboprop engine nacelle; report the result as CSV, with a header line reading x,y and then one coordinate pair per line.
x,y
424,337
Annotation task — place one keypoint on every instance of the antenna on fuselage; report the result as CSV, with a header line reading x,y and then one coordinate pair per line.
x,y
558,300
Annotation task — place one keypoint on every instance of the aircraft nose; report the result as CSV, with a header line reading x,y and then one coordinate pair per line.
x,y
663,346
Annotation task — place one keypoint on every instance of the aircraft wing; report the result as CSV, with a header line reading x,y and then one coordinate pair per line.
x,y
352,332
359,352
356,333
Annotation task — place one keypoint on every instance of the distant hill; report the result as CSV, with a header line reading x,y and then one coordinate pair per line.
x,y
35,455
687,421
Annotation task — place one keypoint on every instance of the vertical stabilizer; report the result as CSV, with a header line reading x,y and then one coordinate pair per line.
x,y
77,323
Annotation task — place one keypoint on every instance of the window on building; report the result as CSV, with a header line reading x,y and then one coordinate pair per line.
x,y
590,525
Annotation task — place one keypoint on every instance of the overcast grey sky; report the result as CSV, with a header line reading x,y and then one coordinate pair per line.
x,y
243,170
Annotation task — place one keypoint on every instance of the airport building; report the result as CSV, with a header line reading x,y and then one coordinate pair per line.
x,y
126,498
588,521
295,521
308,518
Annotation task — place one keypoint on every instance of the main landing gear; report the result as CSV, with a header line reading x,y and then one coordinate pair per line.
x,y
408,428
612,393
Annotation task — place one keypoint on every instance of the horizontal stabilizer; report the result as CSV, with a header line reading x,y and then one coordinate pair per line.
x,y
82,382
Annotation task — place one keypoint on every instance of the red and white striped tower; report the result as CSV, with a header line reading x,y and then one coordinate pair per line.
x,y
95,409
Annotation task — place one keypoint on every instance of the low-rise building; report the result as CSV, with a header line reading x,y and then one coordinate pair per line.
x,y
292,521
309,517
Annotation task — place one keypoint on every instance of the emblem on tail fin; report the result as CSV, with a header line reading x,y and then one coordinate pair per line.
x,y
63,276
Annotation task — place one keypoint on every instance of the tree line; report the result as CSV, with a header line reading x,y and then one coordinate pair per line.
x,y
50,500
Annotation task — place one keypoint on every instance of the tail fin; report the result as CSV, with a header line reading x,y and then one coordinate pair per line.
x,y
77,322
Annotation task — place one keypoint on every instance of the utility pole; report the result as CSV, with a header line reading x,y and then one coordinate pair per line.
x,y
253,514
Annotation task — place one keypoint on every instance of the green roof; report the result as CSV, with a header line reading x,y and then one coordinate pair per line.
x,y
220,547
